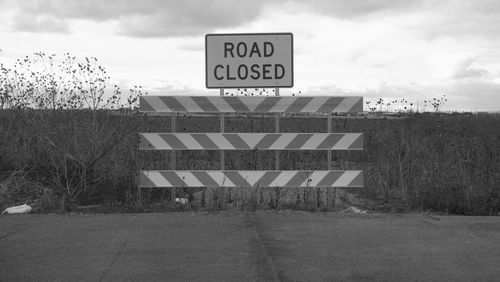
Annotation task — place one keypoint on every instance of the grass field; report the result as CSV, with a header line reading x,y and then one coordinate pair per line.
x,y
264,246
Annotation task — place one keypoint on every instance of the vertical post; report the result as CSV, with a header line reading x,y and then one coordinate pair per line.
x,y
222,158
277,129
329,160
277,153
173,157
329,130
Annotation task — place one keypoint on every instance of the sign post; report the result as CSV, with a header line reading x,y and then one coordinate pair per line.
x,y
222,191
173,156
329,162
222,157
277,129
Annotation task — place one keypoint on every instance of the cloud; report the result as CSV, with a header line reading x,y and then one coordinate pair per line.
x,y
460,19
40,23
434,19
348,9
483,91
151,18
146,18
464,70
456,66
192,45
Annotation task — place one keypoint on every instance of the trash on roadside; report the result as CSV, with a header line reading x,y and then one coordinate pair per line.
x,y
18,209
354,210
181,201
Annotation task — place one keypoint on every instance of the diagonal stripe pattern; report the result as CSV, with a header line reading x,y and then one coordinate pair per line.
x,y
251,141
251,178
288,104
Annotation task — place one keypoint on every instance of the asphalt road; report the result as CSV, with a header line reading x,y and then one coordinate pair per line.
x,y
263,246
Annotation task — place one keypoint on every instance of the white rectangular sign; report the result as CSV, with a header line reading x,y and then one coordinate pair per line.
x,y
253,60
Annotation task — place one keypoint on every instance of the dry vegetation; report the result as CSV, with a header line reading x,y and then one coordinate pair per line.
x,y
446,163
58,150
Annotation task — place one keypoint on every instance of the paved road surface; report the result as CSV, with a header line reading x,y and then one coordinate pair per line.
x,y
263,246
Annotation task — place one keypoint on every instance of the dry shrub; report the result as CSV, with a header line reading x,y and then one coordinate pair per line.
x,y
18,188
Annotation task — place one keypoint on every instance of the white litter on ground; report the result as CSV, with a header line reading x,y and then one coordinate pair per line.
x,y
354,210
182,201
18,209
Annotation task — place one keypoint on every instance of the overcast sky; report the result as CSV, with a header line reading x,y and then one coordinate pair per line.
x,y
388,48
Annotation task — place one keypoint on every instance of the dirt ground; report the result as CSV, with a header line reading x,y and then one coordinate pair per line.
x,y
274,246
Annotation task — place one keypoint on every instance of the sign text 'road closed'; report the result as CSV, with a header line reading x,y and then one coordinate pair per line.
x,y
249,60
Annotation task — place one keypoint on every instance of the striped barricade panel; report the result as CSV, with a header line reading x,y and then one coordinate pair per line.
x,y
245,104
251,178
251,141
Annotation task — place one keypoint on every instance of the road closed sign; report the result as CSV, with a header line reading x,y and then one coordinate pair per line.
x,y
254,60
